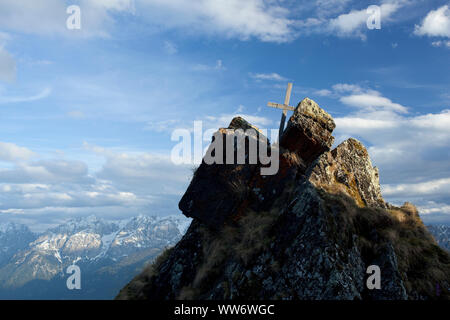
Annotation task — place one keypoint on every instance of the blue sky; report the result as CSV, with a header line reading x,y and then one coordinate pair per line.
x,y
86,115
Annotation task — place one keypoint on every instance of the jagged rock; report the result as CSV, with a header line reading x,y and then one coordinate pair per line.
x,y
308,232
217,191
308,131
349,168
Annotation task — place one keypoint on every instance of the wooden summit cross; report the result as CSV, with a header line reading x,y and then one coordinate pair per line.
x,y
285,107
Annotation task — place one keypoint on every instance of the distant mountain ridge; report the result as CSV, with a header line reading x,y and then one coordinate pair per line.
x,y
442,235
108,253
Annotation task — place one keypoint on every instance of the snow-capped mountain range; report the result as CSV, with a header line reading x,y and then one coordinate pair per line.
x,y
108,253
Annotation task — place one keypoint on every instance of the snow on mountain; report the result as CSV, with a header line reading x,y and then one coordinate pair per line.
x,y
89,241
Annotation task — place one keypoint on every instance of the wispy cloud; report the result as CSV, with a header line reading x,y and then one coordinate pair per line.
x,y
204,67
440,43
268,76
41,95
260,19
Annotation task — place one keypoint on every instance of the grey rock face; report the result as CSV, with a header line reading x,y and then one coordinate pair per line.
x,y
308,232
218,190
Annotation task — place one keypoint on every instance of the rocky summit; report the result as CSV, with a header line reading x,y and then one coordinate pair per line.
x,y
314,230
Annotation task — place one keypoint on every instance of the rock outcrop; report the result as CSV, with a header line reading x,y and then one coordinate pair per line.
x,y
308,232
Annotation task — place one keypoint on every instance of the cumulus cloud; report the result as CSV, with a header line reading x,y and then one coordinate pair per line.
x,y
128,183
438,187
353,23
12,152
372,101
264,20
46,171
144,173
435,24
365,100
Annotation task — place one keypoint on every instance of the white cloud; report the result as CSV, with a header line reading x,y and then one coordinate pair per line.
x,y
355,124
265,20
410,151
260,19
439,122
331,7
41,95
12,152
353,23
46,171
138,171
323,93
435,208
434,187
268,76
48,17
128,183
345,87
372,101
366,100
435,24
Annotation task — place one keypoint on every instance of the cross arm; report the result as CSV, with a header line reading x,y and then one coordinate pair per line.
x,y
280,106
